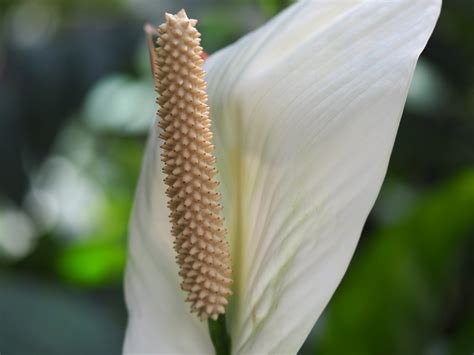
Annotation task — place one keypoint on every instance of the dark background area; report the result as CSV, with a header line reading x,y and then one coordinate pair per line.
x,y
76,100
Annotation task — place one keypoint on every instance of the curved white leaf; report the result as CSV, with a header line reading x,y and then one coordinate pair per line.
x,y
305,112
159,319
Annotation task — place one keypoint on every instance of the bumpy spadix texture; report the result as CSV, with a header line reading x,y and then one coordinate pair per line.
x,y
203,253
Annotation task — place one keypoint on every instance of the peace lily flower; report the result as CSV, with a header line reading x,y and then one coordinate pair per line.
x,y
304,115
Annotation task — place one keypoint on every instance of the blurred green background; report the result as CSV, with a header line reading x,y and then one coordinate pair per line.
x,y
76,100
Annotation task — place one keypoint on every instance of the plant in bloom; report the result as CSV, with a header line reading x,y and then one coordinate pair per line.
x,y
303,114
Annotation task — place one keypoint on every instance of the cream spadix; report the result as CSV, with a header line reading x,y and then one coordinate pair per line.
x,y
203,253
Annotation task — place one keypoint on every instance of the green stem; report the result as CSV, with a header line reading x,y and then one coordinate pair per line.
x,y
219,336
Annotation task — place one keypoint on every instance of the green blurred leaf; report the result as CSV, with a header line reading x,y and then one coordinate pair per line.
x,y
219,27
463,341
273,7
92,264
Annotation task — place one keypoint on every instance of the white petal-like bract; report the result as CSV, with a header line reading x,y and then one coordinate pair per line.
x,y
305,111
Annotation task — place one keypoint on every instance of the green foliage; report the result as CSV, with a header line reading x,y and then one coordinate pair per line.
x,y
219,27
272,7
462,342
92,264
99,259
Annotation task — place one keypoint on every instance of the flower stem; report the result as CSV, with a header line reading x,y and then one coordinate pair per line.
x,y
219,336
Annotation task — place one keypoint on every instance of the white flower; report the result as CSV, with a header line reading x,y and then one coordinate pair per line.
x,y
305,112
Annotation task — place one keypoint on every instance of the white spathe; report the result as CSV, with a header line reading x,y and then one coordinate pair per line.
x,y
305,112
